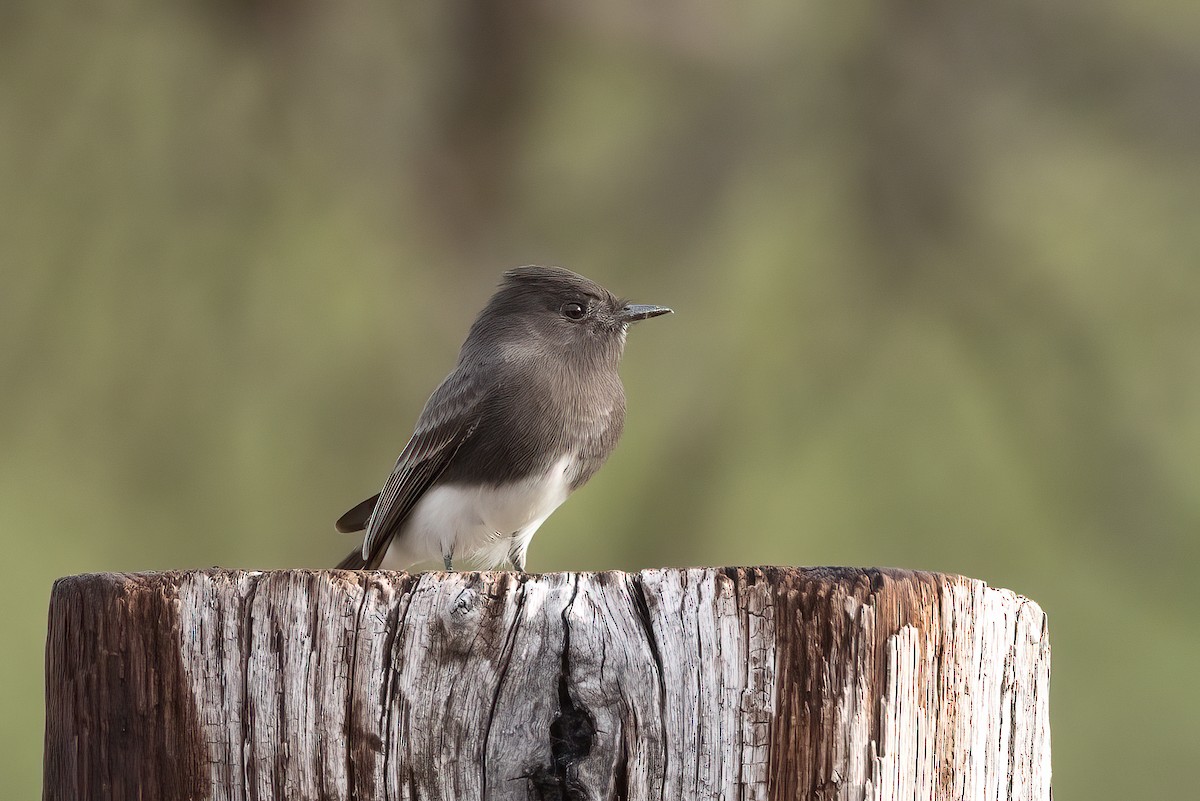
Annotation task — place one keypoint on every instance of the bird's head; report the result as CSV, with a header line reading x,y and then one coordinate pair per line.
x,y
555,311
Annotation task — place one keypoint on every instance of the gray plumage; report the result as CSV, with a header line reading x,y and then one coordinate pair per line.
x,y
531,411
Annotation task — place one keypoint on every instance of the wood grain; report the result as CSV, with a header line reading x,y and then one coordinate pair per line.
x,y
756,683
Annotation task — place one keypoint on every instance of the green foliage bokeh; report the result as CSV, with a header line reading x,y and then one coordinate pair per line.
x,y
935,269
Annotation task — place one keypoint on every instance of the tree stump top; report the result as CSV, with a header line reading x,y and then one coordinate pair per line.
x,y
699,683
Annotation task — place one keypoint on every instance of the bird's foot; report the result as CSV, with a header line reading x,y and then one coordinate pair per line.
x,y
448,560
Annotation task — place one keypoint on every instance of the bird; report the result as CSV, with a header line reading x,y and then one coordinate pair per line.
x,y
531,410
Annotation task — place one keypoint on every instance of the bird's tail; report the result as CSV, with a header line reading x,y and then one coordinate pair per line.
x,y
356,519
396,556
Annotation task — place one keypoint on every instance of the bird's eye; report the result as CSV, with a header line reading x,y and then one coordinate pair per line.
x,y
574,311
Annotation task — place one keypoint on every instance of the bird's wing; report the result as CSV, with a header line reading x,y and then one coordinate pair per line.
x,y
448,421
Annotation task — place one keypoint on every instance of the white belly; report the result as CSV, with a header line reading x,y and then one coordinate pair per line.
x,y
478,523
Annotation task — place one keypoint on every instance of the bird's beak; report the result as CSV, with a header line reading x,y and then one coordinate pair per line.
x,y
633,312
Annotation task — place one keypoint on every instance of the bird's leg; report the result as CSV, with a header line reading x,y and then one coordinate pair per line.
x,y
448,560
516,555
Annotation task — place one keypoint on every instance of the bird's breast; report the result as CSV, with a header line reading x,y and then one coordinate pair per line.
x,y
510,507
469,514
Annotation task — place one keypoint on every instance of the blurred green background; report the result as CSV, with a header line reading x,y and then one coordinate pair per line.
x,y
935,267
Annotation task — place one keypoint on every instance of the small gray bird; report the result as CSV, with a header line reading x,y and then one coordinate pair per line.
x,y
530,412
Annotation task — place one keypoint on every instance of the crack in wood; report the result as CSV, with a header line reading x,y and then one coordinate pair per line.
x,y
621,769
637,591
505,661
249,767
571,732
396,619
352,714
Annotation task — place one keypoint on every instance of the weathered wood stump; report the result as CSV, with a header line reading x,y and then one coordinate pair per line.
x,y
666,684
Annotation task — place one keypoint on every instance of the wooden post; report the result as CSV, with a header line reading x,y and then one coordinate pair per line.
x,y
761,683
